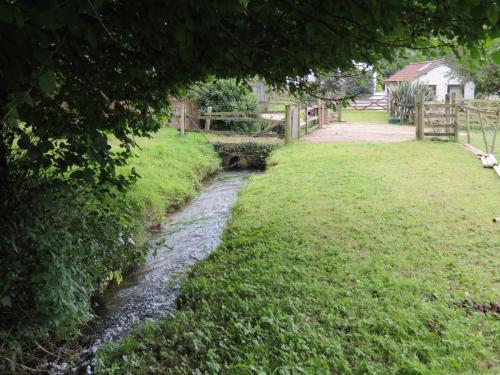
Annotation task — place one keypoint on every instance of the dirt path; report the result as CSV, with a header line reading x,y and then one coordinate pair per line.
x,y
362,132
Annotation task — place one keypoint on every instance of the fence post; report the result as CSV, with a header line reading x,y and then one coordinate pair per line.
x,y
306,118
389,103
497,128
339,112
322,114
297,104
320,124
208,121
183,120
288,124
419,116
296,120
467,123
447,112
455,118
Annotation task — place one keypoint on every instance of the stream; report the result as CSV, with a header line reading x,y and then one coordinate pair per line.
x,y
186,237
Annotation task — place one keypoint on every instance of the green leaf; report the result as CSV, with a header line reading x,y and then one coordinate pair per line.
x,y
496,56
492,14
47,82
6,301
28,100
13,118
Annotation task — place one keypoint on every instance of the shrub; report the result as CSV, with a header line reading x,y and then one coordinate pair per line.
x,y
227,95
403,99
60,244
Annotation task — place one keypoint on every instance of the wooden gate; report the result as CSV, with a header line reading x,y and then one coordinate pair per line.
x,y
436,120
373,103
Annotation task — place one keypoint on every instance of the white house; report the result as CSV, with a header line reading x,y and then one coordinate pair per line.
x,y
438,75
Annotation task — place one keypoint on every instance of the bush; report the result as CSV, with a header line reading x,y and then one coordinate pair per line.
x,y
403,99
227,95
60,244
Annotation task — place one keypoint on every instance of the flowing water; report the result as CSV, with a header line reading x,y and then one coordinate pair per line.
x,y
188,236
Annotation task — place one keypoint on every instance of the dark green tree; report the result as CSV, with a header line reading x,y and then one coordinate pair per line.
x,y
484,71
74,72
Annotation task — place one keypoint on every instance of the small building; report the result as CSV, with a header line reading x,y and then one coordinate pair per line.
x,y
438,75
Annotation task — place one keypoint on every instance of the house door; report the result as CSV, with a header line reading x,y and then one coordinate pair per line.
x,y
457,89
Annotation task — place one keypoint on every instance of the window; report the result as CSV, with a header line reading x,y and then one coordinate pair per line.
x,y
433,88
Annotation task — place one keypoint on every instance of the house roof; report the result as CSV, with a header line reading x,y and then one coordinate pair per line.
x,y
415,70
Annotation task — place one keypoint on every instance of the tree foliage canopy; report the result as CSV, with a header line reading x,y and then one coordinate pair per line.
x,y
74,72
485,72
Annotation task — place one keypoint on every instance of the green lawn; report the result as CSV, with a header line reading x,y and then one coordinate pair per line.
x,y
376,117
341,259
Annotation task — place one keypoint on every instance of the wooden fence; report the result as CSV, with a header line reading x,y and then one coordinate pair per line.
x,y
447,119
312,117
486,117
375,104
295,120
436,120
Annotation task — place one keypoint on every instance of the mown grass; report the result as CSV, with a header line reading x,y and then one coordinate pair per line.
x,y
171,169
375,117
341,259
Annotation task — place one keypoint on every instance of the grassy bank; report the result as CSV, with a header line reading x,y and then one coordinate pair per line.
x,y
341,259
171,169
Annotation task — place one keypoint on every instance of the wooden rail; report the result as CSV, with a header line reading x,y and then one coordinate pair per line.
x,y
292,123
430,116
448,116
380,104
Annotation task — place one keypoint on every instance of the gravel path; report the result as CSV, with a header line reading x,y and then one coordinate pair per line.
x,y
362,132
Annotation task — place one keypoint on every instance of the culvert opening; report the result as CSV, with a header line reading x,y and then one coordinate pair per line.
x,y
234,162
250,155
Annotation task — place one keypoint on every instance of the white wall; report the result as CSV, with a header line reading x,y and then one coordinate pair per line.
x,y
441,77
469,90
